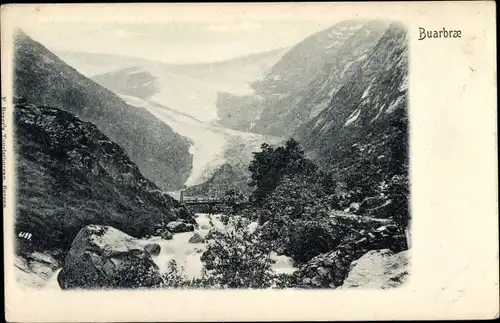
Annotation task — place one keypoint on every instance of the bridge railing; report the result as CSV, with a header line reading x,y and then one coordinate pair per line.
x,y
187,199
201,200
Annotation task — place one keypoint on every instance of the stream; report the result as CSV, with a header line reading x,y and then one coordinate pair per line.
x,y
187,255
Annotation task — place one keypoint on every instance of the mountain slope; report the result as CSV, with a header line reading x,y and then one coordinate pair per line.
x,y
42,78
70,175
363,133
301,84
342,93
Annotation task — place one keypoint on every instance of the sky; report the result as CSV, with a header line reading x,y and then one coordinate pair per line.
x,y
175,42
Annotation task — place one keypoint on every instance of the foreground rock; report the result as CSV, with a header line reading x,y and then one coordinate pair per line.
x,y
104,257
166,235
179,227
379,269
329,270
161,231
196,238
153,249
35,269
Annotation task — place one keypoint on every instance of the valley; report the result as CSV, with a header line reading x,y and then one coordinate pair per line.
x,y
184,98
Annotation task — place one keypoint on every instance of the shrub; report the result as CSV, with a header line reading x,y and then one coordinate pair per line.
x,y
295,217
174,277
135,275
237,258
283,280
308,238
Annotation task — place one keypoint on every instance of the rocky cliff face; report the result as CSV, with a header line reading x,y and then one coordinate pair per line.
x,y
364,129
42,78
69,174
301,84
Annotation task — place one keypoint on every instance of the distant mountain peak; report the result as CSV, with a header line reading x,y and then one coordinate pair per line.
x,y
301,84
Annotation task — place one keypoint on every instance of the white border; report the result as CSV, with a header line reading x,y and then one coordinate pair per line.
x,y
453,170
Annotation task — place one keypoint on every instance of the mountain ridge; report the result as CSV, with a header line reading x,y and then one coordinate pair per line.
x,y
42,78
302,82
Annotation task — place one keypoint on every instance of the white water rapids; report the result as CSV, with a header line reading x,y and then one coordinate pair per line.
x,y
188,254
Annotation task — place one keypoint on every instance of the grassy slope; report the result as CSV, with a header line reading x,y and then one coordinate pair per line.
x,y
69,175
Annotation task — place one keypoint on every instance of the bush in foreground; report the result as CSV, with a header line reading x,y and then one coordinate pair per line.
x,y
236,257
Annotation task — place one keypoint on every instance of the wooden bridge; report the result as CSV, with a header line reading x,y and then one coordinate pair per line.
x,y
201,200
209,201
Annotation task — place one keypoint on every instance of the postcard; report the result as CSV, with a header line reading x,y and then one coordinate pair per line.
x,y
250,161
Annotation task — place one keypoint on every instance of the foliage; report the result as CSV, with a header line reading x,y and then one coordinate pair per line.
x,y
269,166
233,197
303,239
283,280
297,197
309,238
135,274
295,216
237,257
233,202
174,277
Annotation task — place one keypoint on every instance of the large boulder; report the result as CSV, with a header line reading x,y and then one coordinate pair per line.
x,y
104,257
380,269
162,232
196,238
179,227
329,270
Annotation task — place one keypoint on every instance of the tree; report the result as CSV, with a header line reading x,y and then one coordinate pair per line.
x,y
269,166
134,275
295,217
